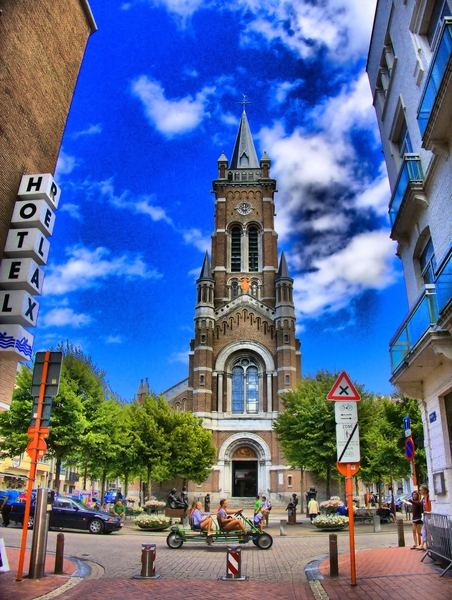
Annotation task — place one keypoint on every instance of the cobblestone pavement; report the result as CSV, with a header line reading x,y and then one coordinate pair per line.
x,y
276,573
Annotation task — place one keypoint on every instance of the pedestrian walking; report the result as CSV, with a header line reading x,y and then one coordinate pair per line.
x,y
10,497
313,508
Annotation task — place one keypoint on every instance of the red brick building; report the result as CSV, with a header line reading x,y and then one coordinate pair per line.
x,y
245,352
42,44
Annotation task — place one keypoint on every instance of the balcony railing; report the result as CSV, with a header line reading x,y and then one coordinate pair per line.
x,y
443,284
435,76
411,174
417,323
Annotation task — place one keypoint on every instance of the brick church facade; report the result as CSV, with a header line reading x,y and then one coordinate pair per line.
x,y
244,353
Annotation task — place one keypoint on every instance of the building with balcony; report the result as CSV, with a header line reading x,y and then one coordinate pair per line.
x,y
410,73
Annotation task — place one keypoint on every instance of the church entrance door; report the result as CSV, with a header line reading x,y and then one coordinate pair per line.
x,y
244,478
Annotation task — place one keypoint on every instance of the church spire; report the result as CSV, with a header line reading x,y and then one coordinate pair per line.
x,y
206,271
244,155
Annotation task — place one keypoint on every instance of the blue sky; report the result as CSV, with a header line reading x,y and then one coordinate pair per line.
x,y
155,105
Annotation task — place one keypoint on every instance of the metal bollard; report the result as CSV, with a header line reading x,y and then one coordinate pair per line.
x,y
234,564
59,555
400,531
334,557
282,527
147,562
185,522
377,525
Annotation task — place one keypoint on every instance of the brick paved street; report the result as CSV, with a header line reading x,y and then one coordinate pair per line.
x,y
383,570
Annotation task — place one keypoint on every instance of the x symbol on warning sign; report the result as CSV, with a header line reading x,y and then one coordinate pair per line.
x,y
343,388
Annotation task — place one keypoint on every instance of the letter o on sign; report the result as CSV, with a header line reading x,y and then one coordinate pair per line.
x,y
28,210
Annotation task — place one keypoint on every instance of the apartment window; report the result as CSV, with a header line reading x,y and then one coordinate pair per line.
x,y
287,379
439,11
236,250
387,64
289,480
245,386
253,249
404,141
427,263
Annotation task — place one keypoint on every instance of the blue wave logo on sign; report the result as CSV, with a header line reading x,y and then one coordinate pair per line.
x,y
6,341
24,347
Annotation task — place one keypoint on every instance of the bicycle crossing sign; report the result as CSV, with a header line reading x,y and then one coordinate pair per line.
x,y
343,389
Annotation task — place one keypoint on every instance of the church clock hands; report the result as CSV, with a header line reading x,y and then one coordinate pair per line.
x,y
244,208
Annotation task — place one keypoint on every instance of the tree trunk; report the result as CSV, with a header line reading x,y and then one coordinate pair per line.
x,y
85,474
57,473
328,482
149,482
126,485
301,490
103,481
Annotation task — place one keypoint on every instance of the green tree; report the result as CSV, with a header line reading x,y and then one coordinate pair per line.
x,y
307,426
67,424
192,450
384,458
151,422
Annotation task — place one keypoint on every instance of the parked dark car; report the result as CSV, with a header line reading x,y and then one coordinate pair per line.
x,y
70,514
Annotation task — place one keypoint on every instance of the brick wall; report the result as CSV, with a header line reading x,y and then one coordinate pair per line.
x,y
41,48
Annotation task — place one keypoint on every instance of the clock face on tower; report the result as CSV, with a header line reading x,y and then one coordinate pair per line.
x,y
244,208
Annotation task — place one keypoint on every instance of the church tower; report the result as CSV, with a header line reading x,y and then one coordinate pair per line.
x,y
244,353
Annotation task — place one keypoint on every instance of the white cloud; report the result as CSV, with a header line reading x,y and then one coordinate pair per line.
x,y
194,237
65,164
73,210
377,194
181,357
89,131
171,117
114,339
60,317
365,263
136,205
87,268
281,90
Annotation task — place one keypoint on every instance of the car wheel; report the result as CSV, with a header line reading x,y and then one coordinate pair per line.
x,y
174,540
264,541
96,526
31,521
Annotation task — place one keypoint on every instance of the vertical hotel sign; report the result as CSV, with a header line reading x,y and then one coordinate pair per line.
x,y
26,251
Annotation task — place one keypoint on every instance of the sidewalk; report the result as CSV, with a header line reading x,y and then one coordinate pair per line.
x,y
383,574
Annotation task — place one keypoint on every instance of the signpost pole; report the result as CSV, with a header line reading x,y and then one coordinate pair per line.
x,y
351,522
33,465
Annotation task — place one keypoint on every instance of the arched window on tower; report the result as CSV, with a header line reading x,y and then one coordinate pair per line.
x,y
234,288
253,249
236,250
245,387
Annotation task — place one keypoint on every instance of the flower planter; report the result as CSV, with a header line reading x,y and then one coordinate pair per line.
x,y
152,522
330,522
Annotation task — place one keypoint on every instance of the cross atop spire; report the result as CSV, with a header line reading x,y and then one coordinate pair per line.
x,y
244,101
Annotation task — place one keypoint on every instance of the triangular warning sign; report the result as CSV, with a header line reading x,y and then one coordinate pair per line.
x,y
343,389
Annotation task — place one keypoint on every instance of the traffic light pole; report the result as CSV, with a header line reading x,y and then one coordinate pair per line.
x,y
33,452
